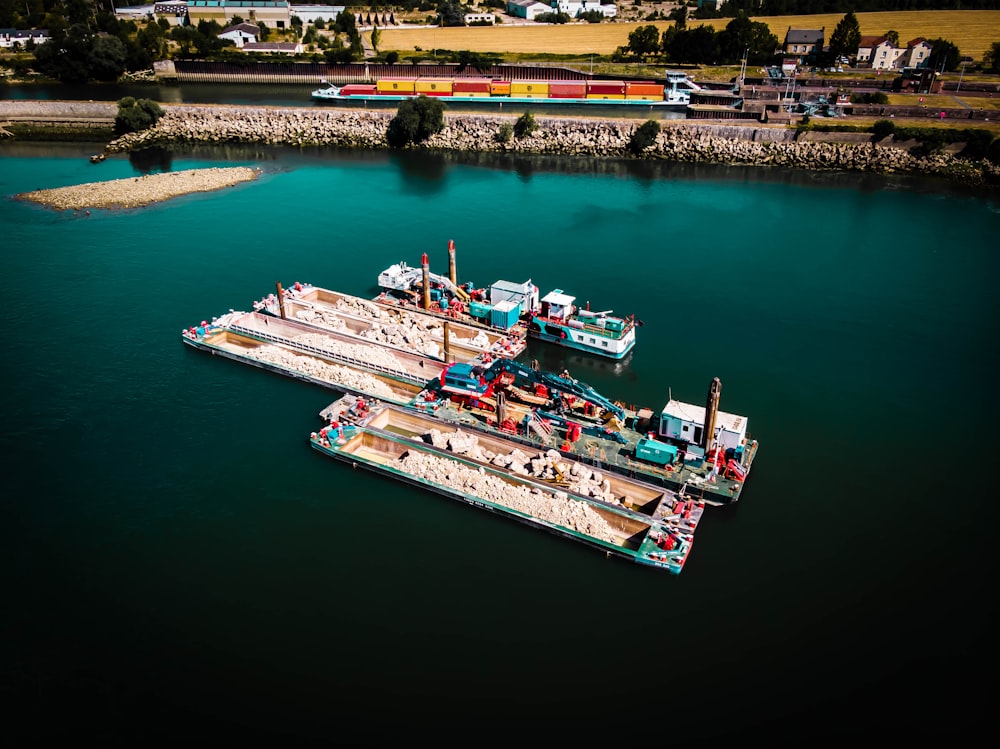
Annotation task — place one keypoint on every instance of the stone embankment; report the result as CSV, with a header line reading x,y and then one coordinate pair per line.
x,y
139,191
678,141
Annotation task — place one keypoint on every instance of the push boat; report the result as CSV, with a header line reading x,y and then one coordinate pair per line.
x,y
674,94
619,516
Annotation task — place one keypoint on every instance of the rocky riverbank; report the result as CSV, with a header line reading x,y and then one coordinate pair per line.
x,y
678,140
139,191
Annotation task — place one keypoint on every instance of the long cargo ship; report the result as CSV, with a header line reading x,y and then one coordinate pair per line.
x,y
674,94
617,515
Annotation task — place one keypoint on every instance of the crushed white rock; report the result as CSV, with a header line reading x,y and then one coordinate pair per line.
x,y
556,508
320,370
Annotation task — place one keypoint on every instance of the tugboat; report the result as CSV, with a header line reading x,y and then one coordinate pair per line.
x,y
560,321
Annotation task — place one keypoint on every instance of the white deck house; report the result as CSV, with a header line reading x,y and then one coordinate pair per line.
x,y
686,421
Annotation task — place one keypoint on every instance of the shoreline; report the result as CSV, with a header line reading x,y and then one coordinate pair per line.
x,y
684,141
136,192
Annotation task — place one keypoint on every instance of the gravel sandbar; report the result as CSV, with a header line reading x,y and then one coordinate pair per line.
x,y
134,192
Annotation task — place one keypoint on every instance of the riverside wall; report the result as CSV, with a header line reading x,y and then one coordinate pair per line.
x,y
678,140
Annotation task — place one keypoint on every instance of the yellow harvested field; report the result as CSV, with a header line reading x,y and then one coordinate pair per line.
x,y
973,31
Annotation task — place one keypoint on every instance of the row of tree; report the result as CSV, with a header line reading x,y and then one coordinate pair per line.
x,y
809,7
703,45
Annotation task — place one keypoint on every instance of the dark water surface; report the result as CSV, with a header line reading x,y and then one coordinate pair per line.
x,y
180,564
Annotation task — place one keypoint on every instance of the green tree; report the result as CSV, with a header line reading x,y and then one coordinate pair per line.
x,y
79,55
376,36
944,55
136,114
991,59
644,137
679,16
416,120
644,40
525,125
451,13
743,35
893,37
846,37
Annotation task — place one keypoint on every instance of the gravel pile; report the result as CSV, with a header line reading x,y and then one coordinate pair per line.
x,y
374,355
320,370
139,191
546,466
552,507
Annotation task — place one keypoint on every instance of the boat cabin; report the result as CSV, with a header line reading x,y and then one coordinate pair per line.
x,y
558,305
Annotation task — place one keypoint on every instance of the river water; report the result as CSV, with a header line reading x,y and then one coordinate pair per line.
x,y
179,562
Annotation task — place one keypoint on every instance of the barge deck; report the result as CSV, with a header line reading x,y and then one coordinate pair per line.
x,y
402,323
620,516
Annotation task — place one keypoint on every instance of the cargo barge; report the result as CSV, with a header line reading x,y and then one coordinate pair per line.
x,y
675,94
407,327
614,514
230,337
515,308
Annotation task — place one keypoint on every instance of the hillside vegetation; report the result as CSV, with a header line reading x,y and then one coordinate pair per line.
x,y
973,31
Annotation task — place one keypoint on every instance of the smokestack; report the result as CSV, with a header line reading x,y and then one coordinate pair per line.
x,y
711,412
447,344
452,273
426,265
281,298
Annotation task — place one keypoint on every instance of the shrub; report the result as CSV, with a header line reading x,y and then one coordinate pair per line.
x,y
644,136
525,125
883,128
505,133
416,120
136,114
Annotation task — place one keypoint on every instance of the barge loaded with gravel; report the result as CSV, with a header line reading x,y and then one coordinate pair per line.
x,y
620,516
404,327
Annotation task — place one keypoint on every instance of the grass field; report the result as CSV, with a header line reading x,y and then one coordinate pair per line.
x,y
973,31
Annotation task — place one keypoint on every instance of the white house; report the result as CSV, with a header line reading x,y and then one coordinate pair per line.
x,y
11,37
479,18
241,34
576,8
885,55
918,51
527,9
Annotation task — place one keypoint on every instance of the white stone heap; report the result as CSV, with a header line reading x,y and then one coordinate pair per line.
x,y
547,466
552,507
320,370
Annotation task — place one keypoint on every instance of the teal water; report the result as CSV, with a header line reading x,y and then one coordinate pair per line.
x,y
180,563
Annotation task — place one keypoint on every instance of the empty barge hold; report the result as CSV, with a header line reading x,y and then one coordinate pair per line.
x,y
423,330
217,338
617,515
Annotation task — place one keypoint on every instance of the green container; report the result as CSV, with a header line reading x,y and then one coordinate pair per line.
x,y
655,452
